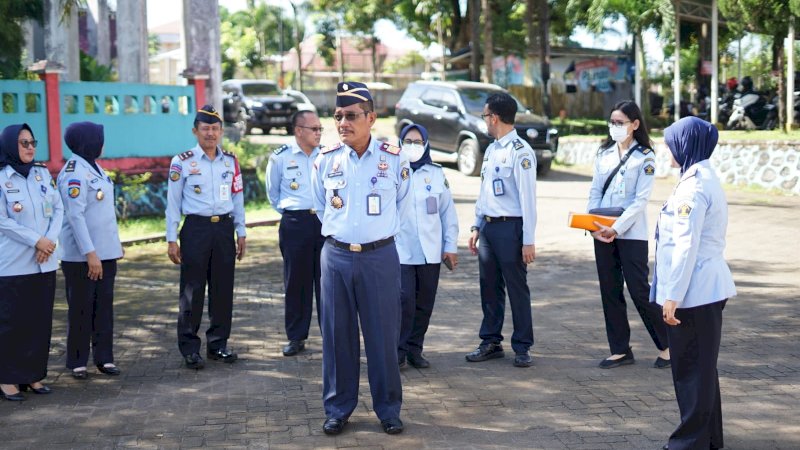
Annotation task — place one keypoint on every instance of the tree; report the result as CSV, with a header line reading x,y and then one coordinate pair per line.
x,y
488,46
12,40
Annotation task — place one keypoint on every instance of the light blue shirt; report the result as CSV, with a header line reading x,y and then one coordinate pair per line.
x,y
508,184
340,173
289,178
430,227
630,189
690,241
91,219
198,185
38,215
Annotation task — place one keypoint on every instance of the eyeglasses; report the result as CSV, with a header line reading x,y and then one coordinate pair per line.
x,y
415,141
614,124
313,129
26,143
350,116
483,116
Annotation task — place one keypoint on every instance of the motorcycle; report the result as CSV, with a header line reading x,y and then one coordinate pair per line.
x,y
752,111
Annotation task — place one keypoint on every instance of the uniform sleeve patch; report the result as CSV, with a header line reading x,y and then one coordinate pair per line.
x,y
684,210
74,188
649,169
526,163
70,166
404,174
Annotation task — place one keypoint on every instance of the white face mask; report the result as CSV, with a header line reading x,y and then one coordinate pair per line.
x,y
618,134
414,151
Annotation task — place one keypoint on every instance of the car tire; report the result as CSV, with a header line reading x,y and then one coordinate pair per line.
x,y
543,169
265,130
469,158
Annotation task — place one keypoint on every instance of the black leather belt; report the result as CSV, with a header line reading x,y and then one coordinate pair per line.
x,y
212,219
359,248
299,212
502,219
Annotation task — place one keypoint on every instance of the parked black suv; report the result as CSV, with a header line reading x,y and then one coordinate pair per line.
x,y
266,105
451,111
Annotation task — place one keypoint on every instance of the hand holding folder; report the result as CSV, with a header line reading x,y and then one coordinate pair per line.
x,y
585,221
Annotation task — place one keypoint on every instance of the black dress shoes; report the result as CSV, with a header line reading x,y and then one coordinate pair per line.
x,y
523,360
15,397
194,361
418,361
485,352
392,426
662,363
80,374
223,355
110,370
333,427
402,363
624,361
294,347
42,390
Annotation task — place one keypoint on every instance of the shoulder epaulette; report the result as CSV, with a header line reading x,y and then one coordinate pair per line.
x,y
281,149
518,144
70,166
231,154
39,164
186,155
389,148
435,164
645,150
328,150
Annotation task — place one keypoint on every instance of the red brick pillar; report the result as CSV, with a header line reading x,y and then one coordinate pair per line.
x,y
199,83
48,72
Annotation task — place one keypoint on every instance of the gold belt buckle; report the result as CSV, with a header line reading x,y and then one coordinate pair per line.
x,y
488,219
214,219
355,248
313,211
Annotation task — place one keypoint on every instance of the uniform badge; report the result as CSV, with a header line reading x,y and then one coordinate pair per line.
x,y
53,182
526,164
197,190
100,195
74,188
38,177
227,163
194,164
337,201
649,169
293,185
427,180
9,184
44,190
404,173
684,210
383,165
17,207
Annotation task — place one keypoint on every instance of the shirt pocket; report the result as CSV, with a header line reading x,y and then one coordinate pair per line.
x,y
504,171
13,198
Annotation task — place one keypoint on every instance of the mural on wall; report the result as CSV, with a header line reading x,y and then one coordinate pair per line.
x,y
508,70
598,74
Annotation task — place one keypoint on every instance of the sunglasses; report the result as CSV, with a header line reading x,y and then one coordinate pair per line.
x,y
313,129
350,116
26,143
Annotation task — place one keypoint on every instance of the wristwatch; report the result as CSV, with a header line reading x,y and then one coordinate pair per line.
x,y
474,228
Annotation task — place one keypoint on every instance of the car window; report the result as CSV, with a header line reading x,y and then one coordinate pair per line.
x,y
260,89
432,97
475,99
449,99
412,93
297,98
229,89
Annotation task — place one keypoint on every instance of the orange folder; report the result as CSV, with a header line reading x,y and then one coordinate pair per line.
x,y
586,221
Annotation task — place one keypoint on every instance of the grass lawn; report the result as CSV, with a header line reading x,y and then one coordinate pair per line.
x,y
147,226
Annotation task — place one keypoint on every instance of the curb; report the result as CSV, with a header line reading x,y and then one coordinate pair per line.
x,y
160,237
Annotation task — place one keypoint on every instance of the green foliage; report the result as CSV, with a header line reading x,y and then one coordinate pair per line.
x,y
326,30
12,12
408,60
133,187
91,70
251,155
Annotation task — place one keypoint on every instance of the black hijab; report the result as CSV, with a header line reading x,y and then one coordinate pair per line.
x,y
9,149
426,157
85,139
691,140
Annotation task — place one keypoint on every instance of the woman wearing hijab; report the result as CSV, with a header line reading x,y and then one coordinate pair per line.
x,y
621,186
692,282
30,220
428,237
90,247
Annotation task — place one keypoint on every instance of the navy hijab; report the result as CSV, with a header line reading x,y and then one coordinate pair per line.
x,y
85,139
691,140
426,156
9,149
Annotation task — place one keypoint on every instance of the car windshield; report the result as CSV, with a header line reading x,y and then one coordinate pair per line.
x,y
475,99
260,89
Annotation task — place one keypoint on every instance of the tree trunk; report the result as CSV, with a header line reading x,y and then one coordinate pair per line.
x,y
475,40
373,46
488,50
298,48
544,47
645,102
530,6
777,67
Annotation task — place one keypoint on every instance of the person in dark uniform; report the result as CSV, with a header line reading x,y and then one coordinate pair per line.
x,y
90,248
623,180
205,185
30,220
299,236
692,282
428,236
505,224
361,189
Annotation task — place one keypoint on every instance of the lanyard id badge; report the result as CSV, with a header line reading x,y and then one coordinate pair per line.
x,y
47,209
498,187
621,185
430,205
373,204
224,192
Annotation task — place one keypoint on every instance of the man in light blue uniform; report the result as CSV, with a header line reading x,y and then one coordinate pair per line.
x,y
205,185
692,282
505,223
428,236
90,248
361,191
299,236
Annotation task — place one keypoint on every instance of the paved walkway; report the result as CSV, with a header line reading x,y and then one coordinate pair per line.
x,y
563,402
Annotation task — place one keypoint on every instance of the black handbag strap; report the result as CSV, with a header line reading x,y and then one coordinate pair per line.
x,y
616,169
